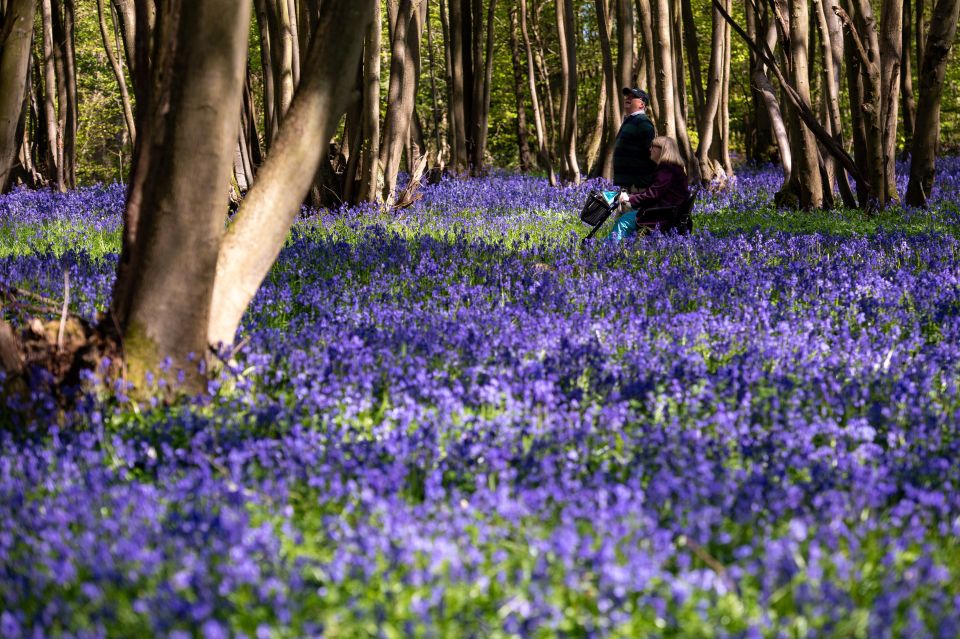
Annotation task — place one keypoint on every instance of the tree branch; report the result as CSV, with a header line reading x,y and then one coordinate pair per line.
x,y
851,29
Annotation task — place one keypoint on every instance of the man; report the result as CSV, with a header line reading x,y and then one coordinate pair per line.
x,y
632,167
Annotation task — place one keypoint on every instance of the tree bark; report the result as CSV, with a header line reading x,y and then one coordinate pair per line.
x,y
65,58
255,238
538,115
891,52
625,46
807,176
908,104
648,44
611,103
516,56
568,95
481,110
118,74
400,95
370,149
54,142
939,40
460,159
165,278
16,40
714,93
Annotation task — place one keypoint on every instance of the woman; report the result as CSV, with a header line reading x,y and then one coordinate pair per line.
x,y
669,188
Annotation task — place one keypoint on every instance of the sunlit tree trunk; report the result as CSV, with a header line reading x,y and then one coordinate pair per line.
x,y
16,40
708,120
891,54
611,103
483,78
458,128
254,239
908,105
118,73
807,175
177,205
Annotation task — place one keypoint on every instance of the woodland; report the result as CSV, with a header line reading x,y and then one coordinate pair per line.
x,y
299,336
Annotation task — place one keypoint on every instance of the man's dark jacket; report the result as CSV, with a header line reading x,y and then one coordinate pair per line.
x,y
632,166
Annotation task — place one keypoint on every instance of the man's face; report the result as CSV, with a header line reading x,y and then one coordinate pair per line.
x,y
632,103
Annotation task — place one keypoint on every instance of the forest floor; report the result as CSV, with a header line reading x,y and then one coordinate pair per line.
x,y
455,422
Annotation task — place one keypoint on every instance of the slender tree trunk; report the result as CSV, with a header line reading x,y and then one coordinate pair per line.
x,y
714,94
16,40
458,96
65,58
118,74
908,104
692,44
126,17
807,176
649,39
254,240
270,117
435,107
370,165
538,115
680,107
923,151
891,52
568,96
54,143
724,112
610,106
664,61
523,137
481,111
625,46
165,279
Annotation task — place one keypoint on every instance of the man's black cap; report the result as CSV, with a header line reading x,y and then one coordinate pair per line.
x,y
637,93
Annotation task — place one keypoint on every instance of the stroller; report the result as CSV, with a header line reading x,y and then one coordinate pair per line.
x,y
599,206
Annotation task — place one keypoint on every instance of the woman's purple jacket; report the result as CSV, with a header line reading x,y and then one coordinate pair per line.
x,y
669,188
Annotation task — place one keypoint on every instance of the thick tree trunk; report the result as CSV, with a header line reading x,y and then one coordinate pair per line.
x,y
255,238
161,301
568,95
68,117
667,124
16,40
939,40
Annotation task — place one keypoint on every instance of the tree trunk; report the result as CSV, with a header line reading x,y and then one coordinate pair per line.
x,y
538,115
908,104
923,151
267,43
399,96
680,107
692,44
714,94
625,47
126,17
458,130
435,107
807,176
667,124
54,143
118,74
516,56
370,165
724,112
255,238
891,52
568,95
611,104
65,59
16,40
481,110
645,16
161,302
